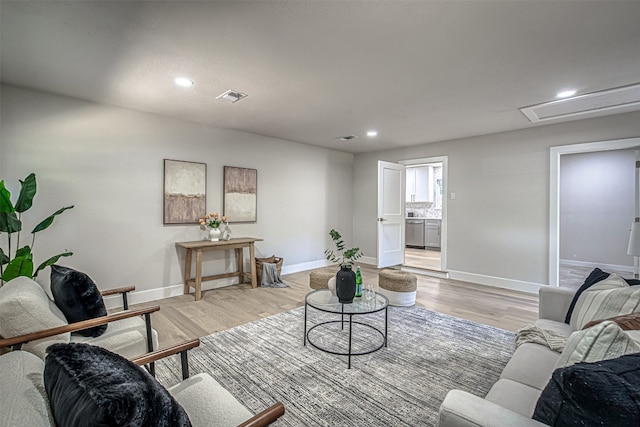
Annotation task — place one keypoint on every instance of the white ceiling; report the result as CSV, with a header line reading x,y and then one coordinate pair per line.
x,y
416,71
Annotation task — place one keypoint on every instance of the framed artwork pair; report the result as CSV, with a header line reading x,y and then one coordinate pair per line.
x,y
185,193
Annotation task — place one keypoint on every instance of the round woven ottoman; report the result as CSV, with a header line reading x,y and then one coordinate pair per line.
x,y
318,279
398,286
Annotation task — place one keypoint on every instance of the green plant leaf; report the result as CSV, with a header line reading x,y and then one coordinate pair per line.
x,y
27,192
47,222
5,199
24,251
19,266
51,261
4,259
9,222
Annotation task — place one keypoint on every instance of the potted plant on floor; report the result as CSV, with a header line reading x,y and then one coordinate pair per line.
x,y
18,260
345,278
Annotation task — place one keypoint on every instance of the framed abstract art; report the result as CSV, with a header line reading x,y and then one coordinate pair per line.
x,y
240,195
185,192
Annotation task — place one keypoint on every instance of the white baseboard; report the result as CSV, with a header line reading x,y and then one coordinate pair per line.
x,y
424,272
369,260
147,295
605,267
295,268
498,282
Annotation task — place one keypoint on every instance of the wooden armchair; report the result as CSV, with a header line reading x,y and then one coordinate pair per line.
x,y
221,408
27,315
26,400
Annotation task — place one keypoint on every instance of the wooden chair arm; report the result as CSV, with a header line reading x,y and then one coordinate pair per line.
x,y
164,352
77,326
265,417
124,291
114,291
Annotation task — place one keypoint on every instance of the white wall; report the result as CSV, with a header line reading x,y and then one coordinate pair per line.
x,y
108,162
498,225
596,207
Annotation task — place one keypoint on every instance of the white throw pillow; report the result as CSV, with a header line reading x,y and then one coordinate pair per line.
x,y
608,298
606,340
25,308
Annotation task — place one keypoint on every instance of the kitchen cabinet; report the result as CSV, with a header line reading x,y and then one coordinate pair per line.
x,y
419,184
433,233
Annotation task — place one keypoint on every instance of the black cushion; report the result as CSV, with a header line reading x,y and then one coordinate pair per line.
x,y
91,386
605,393
78,298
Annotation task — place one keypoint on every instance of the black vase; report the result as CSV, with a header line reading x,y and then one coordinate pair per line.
x,y
346,285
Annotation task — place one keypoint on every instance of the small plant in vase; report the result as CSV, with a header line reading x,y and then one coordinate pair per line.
x,y
346,278
211,222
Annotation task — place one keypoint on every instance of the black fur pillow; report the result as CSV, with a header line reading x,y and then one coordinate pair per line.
x,y
78,298
605,393
91,386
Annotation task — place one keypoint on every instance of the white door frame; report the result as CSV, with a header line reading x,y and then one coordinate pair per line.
x,y
554,193
445,185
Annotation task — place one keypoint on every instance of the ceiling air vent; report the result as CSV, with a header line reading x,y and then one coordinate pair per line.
x,y
612,101
346,137
232,96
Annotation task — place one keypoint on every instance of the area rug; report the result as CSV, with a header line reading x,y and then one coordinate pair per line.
x,y
428,354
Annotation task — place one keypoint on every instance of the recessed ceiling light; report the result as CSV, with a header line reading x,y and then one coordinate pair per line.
x,y
232,96
565,93
372,133
183,81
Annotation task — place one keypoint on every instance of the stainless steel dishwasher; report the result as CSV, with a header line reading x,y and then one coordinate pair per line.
x,y
414,233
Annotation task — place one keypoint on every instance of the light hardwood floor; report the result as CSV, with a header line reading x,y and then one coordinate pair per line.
x,y
182,318
422,258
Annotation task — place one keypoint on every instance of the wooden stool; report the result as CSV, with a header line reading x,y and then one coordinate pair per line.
x,y
318,279
398,286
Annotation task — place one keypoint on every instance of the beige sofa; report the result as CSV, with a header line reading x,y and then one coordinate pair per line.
x,y
513,398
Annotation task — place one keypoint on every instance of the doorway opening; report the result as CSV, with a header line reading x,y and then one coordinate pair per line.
x,y
568,254
425,213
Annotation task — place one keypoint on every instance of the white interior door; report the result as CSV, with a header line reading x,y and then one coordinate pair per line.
x,y
391,207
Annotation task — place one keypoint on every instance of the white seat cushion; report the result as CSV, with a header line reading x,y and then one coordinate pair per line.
x,y
23,399
207,403
515,396
532,365
25,308
126,337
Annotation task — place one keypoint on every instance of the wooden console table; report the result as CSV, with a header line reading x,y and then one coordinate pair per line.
x,y
205,246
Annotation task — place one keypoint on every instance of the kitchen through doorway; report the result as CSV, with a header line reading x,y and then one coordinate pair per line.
x,y
425,213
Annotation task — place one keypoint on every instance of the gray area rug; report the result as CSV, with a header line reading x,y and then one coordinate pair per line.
x,y
402,385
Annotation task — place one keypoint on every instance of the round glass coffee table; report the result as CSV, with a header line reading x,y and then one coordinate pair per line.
x,y
324,301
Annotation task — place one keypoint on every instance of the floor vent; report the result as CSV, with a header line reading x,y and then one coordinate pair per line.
x,y
611,101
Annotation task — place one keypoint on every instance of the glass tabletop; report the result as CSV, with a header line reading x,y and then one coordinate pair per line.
x,y
323,299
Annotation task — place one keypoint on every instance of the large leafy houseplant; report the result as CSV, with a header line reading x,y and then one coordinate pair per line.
x,y
344,257
18,261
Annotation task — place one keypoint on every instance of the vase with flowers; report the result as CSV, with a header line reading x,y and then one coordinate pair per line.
x,y
211,223
345,278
